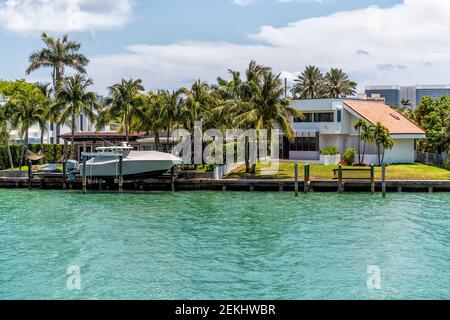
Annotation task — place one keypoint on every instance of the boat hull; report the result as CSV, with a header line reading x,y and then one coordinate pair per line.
x,y
135,165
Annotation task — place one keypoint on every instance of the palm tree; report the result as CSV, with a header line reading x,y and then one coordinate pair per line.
x,y
309,85
199,101
123,102
338,84
4,135
366,137
148,116
383,141
25,109
46,91
58,54
172,104
72,100
267,109
360,126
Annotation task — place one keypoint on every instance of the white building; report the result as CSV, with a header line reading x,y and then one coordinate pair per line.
x,y
330,123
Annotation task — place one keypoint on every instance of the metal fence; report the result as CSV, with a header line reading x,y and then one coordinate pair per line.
x,y
435,159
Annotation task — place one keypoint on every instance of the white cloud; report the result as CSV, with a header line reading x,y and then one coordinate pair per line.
x,y
407,44
243,2
29,16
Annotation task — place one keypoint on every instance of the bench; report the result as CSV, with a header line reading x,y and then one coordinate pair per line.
x,y
368,170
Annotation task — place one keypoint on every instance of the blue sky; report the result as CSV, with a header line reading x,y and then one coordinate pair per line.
x,y
169,43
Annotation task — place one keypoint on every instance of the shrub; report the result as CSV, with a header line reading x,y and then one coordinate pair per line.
x,y
330,151
350,156
52,153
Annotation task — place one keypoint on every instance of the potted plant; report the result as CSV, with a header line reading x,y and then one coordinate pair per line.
x,y
350,156
330,156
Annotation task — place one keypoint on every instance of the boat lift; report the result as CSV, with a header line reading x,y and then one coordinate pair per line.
x,y
119,166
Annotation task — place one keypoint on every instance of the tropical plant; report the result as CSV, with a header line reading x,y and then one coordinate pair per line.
x,y
383,141
58,54
266,109
350,156
46,104
337,84
171,105
433,115
123,102
360,126
148,116
367,136
25,109
330,151
309,85
4,136
72,100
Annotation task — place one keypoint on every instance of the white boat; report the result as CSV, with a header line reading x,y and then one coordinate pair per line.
x,y
136,164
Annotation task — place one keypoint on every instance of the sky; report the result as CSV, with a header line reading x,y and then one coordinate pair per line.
x,y
171,43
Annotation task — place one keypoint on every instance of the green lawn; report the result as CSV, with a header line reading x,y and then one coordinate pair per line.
x,y
320,172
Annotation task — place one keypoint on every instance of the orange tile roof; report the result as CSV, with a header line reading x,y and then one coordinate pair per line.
x,y
375,111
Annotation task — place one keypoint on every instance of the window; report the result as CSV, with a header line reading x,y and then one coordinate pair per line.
x,y
324,117
305,144
308,117
52,126
339,116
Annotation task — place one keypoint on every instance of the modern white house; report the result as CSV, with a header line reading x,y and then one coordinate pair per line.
x,y
330,123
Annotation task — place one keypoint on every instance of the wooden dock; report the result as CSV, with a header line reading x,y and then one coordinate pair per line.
x,y
55,181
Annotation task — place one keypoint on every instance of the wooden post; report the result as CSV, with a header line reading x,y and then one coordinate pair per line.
x,y
372,178
340,187
306,178
296,178
281,188
64,175
84,174
121,174
30,175
383,179
172,178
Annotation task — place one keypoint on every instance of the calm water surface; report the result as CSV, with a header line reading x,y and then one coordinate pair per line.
x,y
207,245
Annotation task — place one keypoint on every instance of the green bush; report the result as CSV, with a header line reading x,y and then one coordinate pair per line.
x,y
330,151
52,153
350,156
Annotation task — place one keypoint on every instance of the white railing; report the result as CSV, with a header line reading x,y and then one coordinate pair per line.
x,y
221,171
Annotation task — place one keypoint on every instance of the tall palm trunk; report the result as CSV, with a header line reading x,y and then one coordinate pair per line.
x,y
72,142
25,146
42,145
363,152
157,141
359,146
8,148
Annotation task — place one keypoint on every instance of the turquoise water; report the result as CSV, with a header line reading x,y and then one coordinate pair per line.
x,y
207,245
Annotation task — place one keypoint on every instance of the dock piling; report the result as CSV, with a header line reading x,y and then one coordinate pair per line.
x,y
372,178
30,175
307,178
84,174
120,174
340,177
296,178
383,179
172,178
64,175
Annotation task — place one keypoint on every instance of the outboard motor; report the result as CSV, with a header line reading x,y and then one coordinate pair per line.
x,y
72,165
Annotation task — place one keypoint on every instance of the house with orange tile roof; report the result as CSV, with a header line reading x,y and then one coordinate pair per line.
x,y
330,123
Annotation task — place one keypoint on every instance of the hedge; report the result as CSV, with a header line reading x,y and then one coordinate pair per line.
x,y
52,153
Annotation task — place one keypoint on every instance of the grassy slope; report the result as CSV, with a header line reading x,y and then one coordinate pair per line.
x,y
320,172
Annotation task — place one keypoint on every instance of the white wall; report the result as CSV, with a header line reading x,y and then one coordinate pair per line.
x,y
403,152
